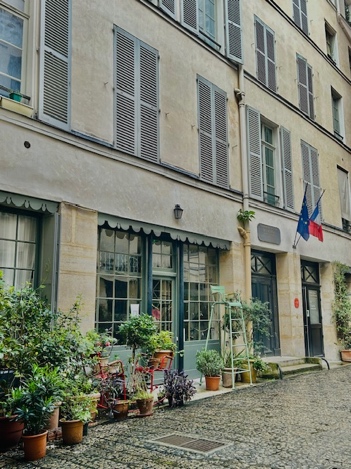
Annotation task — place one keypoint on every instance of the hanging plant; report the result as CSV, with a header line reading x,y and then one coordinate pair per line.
x,y
245,215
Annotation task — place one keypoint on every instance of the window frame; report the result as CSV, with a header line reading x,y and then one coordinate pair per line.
x,y
345,197
337,112
311,177
271,146
265,55
305,88
331,43
300,15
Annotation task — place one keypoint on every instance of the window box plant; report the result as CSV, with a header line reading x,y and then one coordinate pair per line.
x,y
210,364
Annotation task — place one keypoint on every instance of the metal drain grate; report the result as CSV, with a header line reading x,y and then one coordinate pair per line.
x,y
190,443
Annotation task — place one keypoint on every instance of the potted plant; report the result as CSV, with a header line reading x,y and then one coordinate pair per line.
x,y
342,311
178,388
145,402
162,348
111,388
210,364
136,332
36,402
257,366
75,412
10,428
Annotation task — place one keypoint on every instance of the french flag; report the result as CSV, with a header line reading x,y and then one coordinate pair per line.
x,y
315,225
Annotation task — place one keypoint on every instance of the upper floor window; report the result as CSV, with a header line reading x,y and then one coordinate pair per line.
x,y
207,18
265,55
213,134
300,14
305,84
270,173
330,37
337,114
344,193
136,96
310,165
13,28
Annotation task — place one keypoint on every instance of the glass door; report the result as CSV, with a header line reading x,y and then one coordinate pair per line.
x,y
162,302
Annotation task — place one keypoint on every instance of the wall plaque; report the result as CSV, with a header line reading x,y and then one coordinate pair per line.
x,y
268,234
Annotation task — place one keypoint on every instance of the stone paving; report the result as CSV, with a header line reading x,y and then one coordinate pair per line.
x,y
297,423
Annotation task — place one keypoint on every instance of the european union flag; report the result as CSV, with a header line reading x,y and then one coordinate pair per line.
x,y
304,220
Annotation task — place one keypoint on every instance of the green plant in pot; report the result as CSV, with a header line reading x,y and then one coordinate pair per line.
x,y
162,347
10,428
75,412
210,364
144,401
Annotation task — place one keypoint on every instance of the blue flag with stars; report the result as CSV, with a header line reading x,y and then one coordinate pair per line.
x,y
304,220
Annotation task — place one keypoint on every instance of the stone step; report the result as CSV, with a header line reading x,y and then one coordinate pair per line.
x,y
278,368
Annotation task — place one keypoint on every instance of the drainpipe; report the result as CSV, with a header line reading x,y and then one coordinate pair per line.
x,y
244,231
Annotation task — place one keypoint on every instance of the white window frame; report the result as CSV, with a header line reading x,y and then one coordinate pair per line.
x,y
24,15
202,6
345,197
331,43
310,167
337,112
276,166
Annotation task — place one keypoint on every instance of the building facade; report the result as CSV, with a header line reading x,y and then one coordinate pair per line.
x,y
114,113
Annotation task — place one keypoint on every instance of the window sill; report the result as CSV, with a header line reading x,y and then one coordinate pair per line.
x,y
15,106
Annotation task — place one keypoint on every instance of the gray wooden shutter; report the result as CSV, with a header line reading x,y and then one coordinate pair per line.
x,y
285,145
260,51
302,84
189,15
234,47
310,91
304,21
271,76
125,92
296,12
169,6
55,67
221,137
316,189
254,153
205,130
149,120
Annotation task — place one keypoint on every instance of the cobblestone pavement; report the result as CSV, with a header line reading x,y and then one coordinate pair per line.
x,y
297,423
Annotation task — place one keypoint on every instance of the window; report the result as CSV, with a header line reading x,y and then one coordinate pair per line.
x,y
330,37
207,18
270,176
136,97
200,271
300,14
119,277
18,248
304,77
13,28
310,167
344,192
213,135
265,55
337,114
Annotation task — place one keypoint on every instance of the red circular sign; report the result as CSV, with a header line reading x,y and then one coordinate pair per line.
x,y
296,303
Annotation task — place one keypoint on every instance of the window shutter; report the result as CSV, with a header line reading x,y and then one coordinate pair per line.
x,y
189,15
307,174
344,192
205,130
304,21
125,92
254,153
234,31
310,91
148,103
271,76
260,52
169,6
285,142
316,190
296,12
55,54
221,138
302,83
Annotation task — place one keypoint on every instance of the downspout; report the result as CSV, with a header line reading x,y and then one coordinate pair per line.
x,y
244,231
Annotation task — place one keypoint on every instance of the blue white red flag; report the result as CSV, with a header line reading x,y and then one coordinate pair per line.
x,y
315,225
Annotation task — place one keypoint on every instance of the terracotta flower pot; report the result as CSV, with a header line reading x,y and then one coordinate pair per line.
x,y
72,431
163,357
345,355
145,406
10,432
212,383
34,446
120,410
53,423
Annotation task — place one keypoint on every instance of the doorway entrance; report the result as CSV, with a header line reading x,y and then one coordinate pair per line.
x,y
312,316
264,287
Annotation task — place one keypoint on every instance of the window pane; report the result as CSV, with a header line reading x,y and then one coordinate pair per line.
x,y
7,253
19,4
23,277
8,225
107,240
25,255
11,29
26,228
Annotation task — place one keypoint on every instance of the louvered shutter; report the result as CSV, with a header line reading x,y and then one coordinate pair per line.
x,y
344,192
221,138
285,144
316,190
234,46
205,130
271,76
296,12
55,67
189,15
302,83
254,153
148,103
125,92
310,92
307,174
304,21
169,6
260,52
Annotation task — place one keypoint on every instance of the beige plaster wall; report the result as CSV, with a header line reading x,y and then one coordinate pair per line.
x,y
77,263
